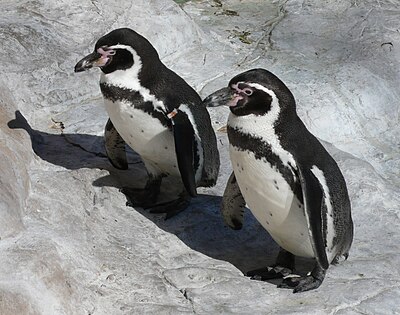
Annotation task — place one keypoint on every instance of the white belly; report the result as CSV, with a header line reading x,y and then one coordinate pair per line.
x,y
146,136
272,202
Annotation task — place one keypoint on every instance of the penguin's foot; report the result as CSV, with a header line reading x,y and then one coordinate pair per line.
x,y
283,267
268,273
172,208
301,284
139,197
143,197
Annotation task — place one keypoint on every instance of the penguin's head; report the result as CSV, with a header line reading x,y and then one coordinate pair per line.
x,y
249,98
253,92
120,49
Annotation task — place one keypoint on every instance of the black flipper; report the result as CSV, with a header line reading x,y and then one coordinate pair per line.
x,y
233,204
115,147
313,194
184,147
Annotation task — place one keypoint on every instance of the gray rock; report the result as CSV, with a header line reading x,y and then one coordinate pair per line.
x,y
68,243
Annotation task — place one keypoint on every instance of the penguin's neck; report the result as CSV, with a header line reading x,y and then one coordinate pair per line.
x,y
257,125
128,79
263,128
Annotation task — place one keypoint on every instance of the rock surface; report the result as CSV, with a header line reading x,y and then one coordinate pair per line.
x,y
68,243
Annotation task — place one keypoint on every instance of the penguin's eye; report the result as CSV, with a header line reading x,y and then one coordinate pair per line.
x,y
248,92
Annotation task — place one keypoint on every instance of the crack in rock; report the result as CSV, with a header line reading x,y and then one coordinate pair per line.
x,y
345,306
271,25
183,291
185,295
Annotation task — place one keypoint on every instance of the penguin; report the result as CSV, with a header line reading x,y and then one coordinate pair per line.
x,y
156,113
290,183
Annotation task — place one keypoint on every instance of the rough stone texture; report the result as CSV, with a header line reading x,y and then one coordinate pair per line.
x,y
68,243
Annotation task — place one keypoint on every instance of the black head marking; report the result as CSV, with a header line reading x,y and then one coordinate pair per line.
x,y
253,100
123,58
250,100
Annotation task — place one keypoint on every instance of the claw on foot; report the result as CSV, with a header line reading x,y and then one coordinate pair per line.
x,y
267,273
171,208
300,284
147,200
137,197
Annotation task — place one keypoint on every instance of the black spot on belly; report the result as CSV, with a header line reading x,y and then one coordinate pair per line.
x,y
142,130
263,151
270,214
277,188
166,148
131,116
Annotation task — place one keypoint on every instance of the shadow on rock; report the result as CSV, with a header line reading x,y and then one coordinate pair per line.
x,y
72,151
200,227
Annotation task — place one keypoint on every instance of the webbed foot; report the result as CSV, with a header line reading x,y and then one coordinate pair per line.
x,y
302,284
283,267
273,272
139,197
172,208
143,197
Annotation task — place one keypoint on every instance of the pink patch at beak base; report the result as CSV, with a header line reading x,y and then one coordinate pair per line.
x,y
102,61
105,56
236,98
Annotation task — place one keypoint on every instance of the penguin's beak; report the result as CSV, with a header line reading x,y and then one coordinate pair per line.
x,y
219,98
94,59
